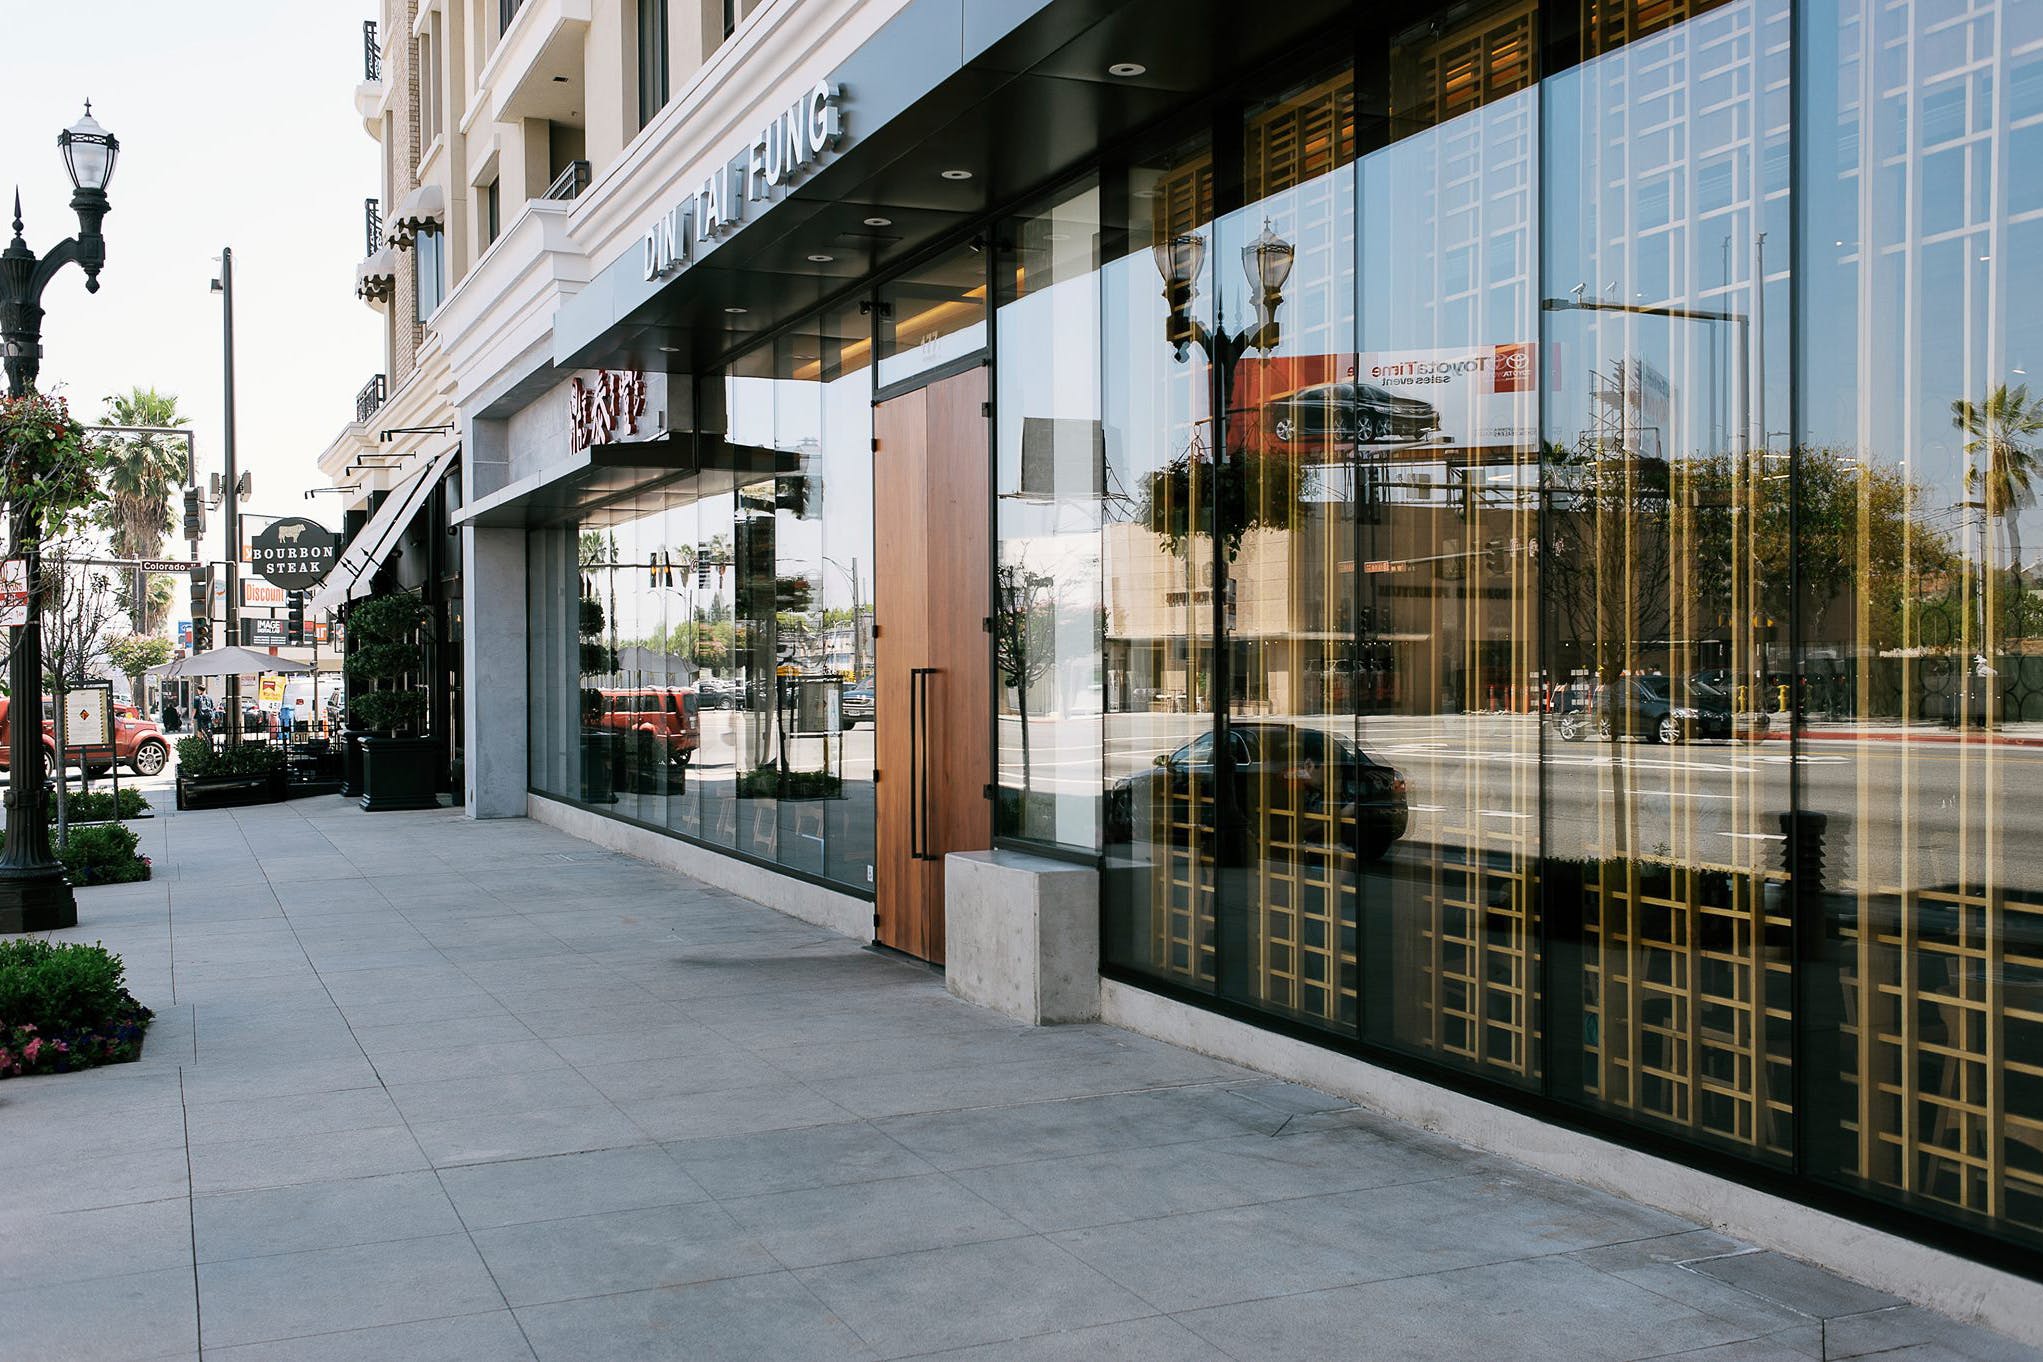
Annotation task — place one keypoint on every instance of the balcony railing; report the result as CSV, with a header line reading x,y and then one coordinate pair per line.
x,y
507,10
370,398
372,223
570,182
372,52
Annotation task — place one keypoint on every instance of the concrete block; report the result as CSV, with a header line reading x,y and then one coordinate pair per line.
x,y
1022,935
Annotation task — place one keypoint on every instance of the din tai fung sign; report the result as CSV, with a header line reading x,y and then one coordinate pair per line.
x,y
293,553
785,149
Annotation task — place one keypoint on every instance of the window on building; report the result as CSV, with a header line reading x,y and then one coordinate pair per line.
x,y
492,210
652,59
429,248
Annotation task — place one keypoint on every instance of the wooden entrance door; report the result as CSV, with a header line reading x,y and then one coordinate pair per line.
x,y
933,689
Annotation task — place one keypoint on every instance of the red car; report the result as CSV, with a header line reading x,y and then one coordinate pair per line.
x,y
139,745
665,715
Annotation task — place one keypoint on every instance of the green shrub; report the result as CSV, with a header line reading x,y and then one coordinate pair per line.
x,y
103,853
387,710
198,757
770,782
94,805
63,1007
383,662
58,984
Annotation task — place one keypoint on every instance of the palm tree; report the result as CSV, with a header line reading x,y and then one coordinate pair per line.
x,y
143,478
2002,433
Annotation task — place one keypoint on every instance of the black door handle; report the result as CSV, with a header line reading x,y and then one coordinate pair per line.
x,y
918,757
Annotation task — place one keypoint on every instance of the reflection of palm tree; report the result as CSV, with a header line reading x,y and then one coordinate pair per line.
x,y
2002,432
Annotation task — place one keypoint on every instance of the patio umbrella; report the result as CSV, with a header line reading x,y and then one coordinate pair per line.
x,y
232,661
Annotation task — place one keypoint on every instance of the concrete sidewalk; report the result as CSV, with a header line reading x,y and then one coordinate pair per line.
x,y
429,1090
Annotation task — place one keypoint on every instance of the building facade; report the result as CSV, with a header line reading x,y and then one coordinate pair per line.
x,y
1492,534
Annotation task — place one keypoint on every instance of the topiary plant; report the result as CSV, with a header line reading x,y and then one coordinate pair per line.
x,y
383,660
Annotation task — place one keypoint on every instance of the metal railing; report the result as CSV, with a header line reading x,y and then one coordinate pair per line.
x,y
370,398
372,52
372,222
570,182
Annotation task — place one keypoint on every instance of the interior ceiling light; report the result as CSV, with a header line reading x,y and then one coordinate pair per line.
x,y
821,259
736,311
670,349
1127,68
879,222
957,174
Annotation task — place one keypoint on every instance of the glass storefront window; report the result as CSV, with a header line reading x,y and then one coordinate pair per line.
x,y
1050,460
934,314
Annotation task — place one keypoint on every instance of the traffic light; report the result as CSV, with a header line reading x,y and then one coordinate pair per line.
x,y
296,606
194,514
202,633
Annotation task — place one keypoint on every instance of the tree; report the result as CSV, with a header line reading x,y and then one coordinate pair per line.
x,y
80,604
1024,644
144,473
133,654
2002,432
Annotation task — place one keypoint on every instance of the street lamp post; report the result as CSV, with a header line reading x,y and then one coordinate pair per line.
x,y
34,894
1267,262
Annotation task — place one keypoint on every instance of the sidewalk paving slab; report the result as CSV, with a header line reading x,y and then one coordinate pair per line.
x,y
429,1089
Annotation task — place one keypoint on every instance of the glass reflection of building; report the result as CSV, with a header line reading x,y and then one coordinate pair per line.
x,y
1589,657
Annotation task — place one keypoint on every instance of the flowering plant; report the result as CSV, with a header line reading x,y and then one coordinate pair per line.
x,y
46,464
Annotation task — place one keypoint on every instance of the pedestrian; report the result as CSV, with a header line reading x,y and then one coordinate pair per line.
x,y
170,715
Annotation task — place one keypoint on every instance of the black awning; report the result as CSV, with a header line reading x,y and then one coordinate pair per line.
x,y
618,482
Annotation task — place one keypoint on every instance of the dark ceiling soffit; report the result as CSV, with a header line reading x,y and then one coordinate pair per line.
x,y
676,468
960,50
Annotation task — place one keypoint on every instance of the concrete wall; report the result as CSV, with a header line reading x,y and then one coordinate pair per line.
x,y
841,913
493,696
1956,1286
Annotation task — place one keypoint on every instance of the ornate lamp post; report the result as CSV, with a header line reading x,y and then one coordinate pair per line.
x,y
1267,262
34,895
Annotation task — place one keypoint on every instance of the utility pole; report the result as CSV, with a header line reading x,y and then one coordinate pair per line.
x,y
230,519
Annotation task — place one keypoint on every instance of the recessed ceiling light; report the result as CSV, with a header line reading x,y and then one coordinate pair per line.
x,y
670,349
957,174
821,259
736,311
879,222
1126,68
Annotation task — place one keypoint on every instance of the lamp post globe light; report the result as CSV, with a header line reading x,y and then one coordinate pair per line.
x,y
34,894
1267,262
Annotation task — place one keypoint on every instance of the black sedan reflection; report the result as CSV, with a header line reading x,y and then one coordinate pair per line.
x,y
1283,772
1656,708
1343,413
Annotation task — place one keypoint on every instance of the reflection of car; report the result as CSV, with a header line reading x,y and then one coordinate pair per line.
x,y
1282,771
710,693
139,745
663,715
858,703
1341,413
1659,709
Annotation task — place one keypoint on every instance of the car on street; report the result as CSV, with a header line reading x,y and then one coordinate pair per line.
x,y
1349,413
138,744
858,704
1656,708
662,718
1281,772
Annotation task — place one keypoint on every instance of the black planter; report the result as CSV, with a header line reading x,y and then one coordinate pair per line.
x,y
399,773
351,765
224,792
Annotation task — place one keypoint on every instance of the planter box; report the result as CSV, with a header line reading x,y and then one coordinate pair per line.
x,y
399,773
226,792
351,765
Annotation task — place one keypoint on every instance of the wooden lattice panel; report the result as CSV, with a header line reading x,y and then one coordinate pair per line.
x,y
1435,79
1944,1023
1687,991
1478,934
1609,24
1302,138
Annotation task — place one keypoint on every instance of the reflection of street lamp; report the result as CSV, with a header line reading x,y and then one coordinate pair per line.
x,y
1267,262
34,895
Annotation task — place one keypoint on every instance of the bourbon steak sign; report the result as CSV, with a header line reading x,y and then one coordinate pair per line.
x,y
293,553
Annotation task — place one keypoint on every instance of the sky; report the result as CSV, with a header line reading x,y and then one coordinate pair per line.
x,y
237,128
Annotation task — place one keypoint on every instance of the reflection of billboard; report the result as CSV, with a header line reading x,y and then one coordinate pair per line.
x,y
1472,398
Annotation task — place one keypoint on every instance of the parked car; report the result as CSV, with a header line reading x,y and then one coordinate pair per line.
x,y
1658,709
662,715
139,745
1347,413
1281,770
711,693
858,704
